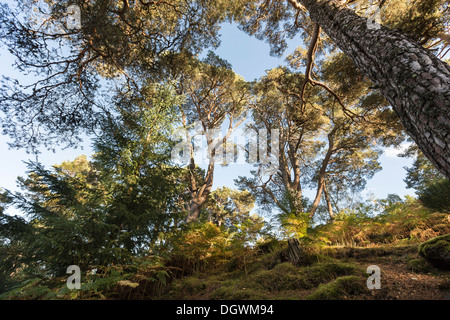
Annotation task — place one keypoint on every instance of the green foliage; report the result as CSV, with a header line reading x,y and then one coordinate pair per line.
x,y
432,188
419,19
143,277
316,133
295,226
68,80
206,246
229,207
66,222
200,246
31,289
422,174
398,222
437,196
103,211
129,201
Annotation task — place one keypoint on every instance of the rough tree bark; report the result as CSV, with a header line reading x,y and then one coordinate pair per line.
x,y
201,193
411,78
295,252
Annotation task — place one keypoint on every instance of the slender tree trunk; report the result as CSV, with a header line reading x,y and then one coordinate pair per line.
x,y
411,78
327,199
296,185
322,173
317,198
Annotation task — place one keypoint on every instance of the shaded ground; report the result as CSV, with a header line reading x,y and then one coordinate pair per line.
x,y
399,282
334,273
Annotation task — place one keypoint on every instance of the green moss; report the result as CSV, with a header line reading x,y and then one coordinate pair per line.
x,y
420,265
193,284
193,287
324,272
233,293
340,288
284,276
437,251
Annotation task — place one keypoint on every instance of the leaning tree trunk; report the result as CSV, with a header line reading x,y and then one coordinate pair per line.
x,y
328,200
413,80
322,173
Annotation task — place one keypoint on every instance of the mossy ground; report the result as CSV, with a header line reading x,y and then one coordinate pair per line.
x,y
327,273
332,273
333,266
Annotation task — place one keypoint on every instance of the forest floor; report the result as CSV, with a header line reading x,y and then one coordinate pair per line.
x,y
336,273
399,280
204,270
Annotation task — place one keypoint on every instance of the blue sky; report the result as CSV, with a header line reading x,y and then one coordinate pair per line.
x,y
250,58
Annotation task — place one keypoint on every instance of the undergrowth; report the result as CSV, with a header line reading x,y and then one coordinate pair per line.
x,y
208,263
